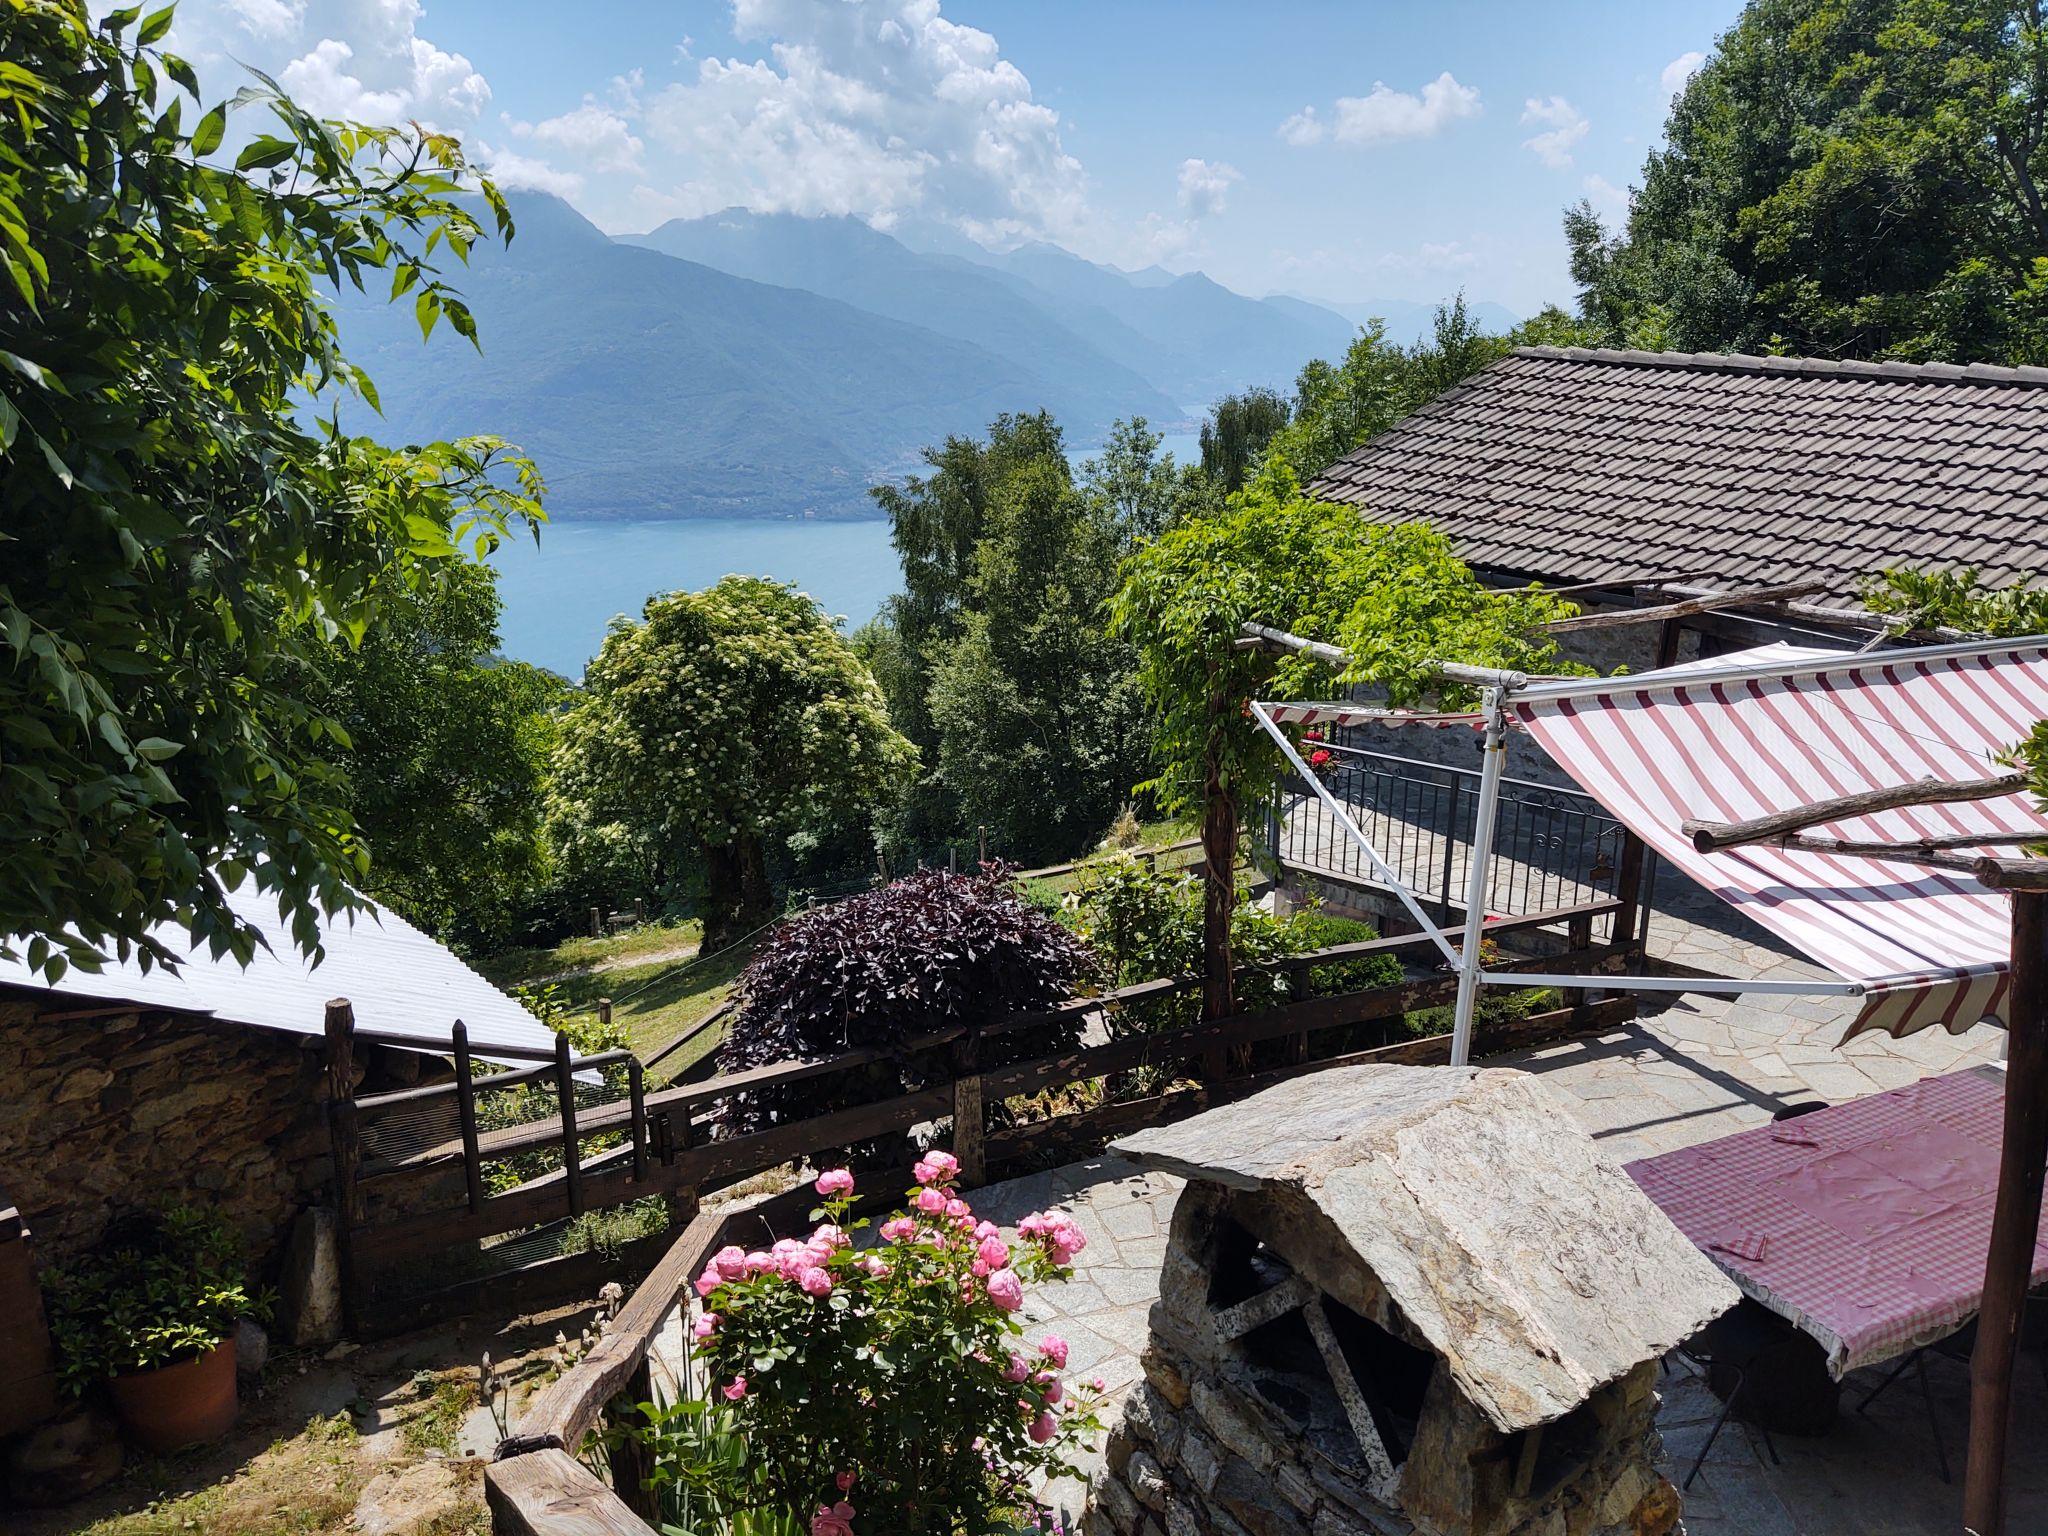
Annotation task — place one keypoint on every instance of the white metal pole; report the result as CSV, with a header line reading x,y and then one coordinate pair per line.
x,y
1496,751
1337,809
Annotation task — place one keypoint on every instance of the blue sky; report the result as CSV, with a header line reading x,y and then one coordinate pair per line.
x,y
1343,151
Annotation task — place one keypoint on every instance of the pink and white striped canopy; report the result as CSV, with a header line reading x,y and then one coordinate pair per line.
x,y
1780,727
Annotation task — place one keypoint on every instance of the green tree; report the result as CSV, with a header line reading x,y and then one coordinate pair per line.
x,y
1843,178
1237,431
994,660
721,721
184,537
1393,597
449,746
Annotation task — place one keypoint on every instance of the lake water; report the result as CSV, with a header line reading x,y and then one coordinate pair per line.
x,y
560,597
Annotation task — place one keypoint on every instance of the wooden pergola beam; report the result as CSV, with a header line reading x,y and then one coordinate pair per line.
x,y
1263,637
1707,836
1756,597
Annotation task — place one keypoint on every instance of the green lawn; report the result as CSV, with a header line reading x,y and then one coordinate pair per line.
x,y
655,1003
512,966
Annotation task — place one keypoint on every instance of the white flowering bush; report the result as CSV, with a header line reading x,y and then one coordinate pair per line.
x,y
885,1388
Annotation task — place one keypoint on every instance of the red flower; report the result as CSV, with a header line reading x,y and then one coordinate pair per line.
x,y
1317,758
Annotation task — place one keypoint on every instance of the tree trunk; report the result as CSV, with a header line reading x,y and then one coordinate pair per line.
x,y
737,896
1219,880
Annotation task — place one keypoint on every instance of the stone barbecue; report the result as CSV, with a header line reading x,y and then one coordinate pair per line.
x,y
1403,1299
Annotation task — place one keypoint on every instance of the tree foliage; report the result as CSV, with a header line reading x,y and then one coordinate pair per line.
x,y
1843,178
449,746
721,721
184,537
890,966
1236,432
1393,597
995,660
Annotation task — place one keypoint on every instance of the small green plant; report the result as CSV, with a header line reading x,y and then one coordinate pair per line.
x,y
160,1288
587,1035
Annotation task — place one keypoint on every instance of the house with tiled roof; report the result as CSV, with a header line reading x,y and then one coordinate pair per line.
x,y
1575,466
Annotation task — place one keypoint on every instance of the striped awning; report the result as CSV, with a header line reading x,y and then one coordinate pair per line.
x,y
1327,712
1780,727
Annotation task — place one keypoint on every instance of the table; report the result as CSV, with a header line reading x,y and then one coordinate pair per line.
x,y
1866,1224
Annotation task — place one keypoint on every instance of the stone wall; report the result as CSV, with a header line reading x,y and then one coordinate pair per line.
x,y
102,1115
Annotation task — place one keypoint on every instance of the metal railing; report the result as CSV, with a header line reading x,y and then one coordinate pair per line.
x,y
1552,847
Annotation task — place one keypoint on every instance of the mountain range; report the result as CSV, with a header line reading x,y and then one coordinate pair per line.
x,y
748,364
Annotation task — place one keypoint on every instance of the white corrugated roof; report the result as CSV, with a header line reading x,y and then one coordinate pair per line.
x,y
401,982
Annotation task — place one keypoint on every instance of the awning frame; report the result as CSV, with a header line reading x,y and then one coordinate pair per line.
x,y
1497,689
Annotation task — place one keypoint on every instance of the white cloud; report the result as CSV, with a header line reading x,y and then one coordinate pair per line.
x,y
515,172
1605,196
1384,115
873,109
1205,184
596,136
1680,70
362,59
1563,127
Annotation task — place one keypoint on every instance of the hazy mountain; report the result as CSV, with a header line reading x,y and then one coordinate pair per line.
x,y
1194,338
1408,321
845,259
647,386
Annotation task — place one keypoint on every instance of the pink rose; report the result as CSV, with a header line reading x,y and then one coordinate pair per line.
x,y
705,1326
1043,1428
1097,1384
735,1389
874,1266
898,1228
845,1482
986,1229
994,1252
1017,1369
1054,1348
1053,1390
730,1262
708,1282
936,1168
829,1238
835,1521
816,1282
759,1263
1006,1290
930,1201
957,1209
835,1181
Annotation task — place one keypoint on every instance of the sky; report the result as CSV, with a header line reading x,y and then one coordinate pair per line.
x,y
1338,151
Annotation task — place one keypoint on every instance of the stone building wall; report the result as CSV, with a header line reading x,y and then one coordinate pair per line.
x,y
99,1116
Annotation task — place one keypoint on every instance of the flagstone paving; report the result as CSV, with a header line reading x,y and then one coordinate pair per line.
x,y
1689,1069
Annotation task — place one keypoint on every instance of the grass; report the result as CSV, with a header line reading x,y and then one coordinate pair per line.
x,y
299,1486
512,966
445,1403
655,1003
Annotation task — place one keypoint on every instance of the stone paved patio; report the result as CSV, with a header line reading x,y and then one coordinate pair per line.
x,y
1688,1070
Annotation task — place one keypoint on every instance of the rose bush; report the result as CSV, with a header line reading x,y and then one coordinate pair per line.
x,y
852,1389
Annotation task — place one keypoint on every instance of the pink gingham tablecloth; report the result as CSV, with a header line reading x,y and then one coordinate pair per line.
x,y
1865,1224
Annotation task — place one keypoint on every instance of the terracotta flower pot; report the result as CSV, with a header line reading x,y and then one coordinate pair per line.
x,y
179,1405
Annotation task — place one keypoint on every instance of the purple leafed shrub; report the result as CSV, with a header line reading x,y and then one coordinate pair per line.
x,y
881,970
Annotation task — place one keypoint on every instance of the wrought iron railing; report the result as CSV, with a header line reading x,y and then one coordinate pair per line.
x,y
1552,847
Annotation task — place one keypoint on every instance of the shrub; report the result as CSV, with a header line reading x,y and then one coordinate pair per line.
x,y
885,1390
161,1287
884,968
588,1035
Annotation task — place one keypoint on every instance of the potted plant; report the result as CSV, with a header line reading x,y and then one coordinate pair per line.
x,y
152,1312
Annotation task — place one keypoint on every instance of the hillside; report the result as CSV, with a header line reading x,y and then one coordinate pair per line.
x,y
844,259
651,387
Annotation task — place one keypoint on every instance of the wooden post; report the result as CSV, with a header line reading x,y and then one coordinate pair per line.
x,y
2015,1222
1219,883
1578,939
981,842
465,1110
347,1142
631,1466
604,1012
636,1084
572,1154
597,922
969,1124
639,909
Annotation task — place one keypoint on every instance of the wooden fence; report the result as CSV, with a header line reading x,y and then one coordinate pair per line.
x,y
536,1485
402,1206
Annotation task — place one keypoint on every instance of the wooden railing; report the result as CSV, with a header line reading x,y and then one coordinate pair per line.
x,y
667,1149
538,1487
